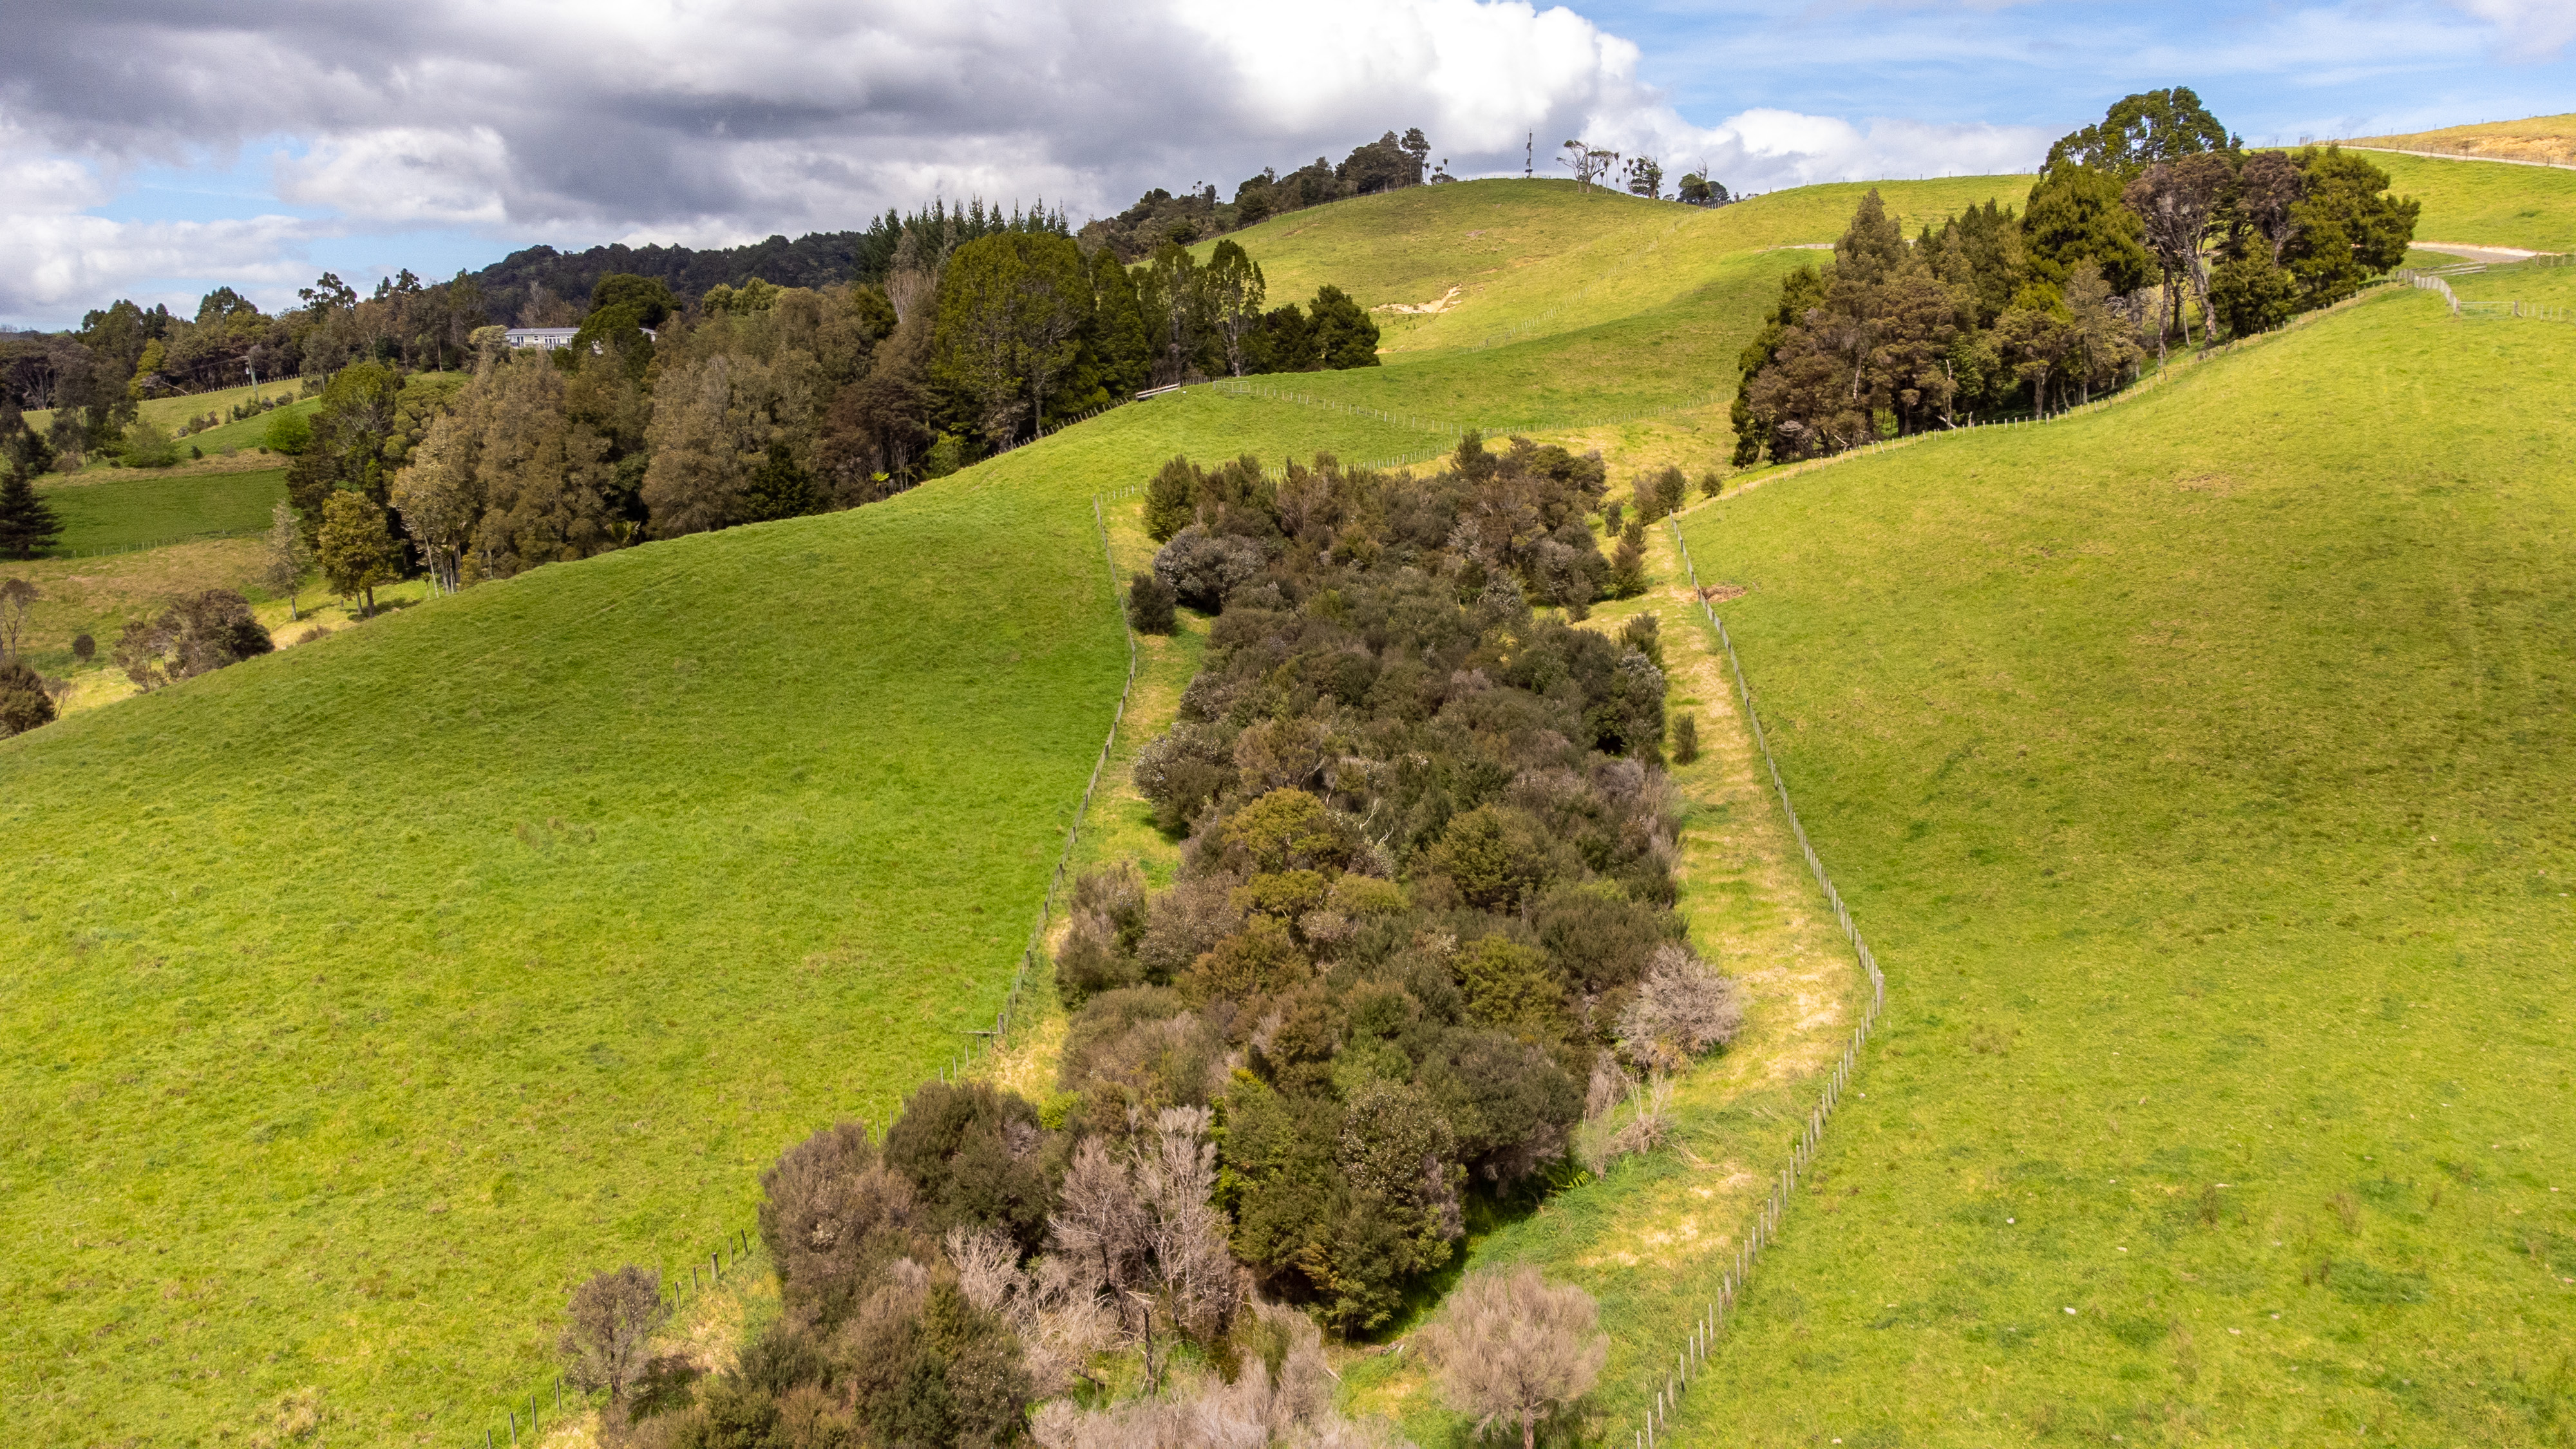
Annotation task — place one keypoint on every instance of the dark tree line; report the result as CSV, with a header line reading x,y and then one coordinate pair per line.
x,y
762,402
1159,216
538,286
93,377
2138,227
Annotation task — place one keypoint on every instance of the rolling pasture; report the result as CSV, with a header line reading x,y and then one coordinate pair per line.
x,y
2197,767
1561,309
169,412
2485,204
378,990
118,509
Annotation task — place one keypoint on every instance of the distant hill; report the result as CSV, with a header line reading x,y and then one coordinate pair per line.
x,y
2550,140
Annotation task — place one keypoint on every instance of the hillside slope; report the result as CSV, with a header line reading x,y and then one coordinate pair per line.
x,y
1561,309
2483,203
2550,139
374,992
2196,767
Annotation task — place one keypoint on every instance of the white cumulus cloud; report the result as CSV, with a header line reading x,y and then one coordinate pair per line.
x,y
2532,29
661,120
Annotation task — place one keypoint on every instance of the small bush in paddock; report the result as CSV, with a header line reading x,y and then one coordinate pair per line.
x,y
25,703
84,648
1685,738
1509,1349
1150,604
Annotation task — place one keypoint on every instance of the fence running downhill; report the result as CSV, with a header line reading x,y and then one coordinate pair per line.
x,y
1002,1023
738,1243
1694,1349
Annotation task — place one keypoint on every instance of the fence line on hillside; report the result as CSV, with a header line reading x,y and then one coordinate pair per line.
x,y
545,1402
204,536
2433,282
2463,154
2438,281
999,1034
1692,1353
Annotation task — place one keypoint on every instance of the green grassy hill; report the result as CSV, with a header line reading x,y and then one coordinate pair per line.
x,y
1564,309
170,412
376,991
2533,138
117,508
379,990
2487,203
2196,768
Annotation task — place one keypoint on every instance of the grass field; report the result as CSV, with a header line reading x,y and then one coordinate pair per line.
x,y
382,988
2197,768
1537,258
170,412
2484,204
379,989
2540,282
1570,311
116,508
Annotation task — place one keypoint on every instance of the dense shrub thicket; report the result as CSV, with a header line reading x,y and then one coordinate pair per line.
x,y
1428,866
1421,933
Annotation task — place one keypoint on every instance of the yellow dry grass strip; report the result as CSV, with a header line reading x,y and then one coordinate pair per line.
x,y
1121,823
1753,908
2549,140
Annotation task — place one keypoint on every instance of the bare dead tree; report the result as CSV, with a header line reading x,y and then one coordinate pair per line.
x,y
613,1318
1683,1007
1136,1226
17,599
1510,1349
1291,1404
1587,161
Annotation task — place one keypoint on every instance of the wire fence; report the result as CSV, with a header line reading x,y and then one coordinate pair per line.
x,y
203,536
999,1034
1692,1353
707,1272
2438,281
2462,152
545,1403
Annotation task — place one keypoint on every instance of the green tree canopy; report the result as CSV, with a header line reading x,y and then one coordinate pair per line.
x,y
1011,312
1344,332
356,552
649,296
2139,131
2076,216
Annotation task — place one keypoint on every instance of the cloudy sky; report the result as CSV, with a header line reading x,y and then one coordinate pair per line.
x,y
155,148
